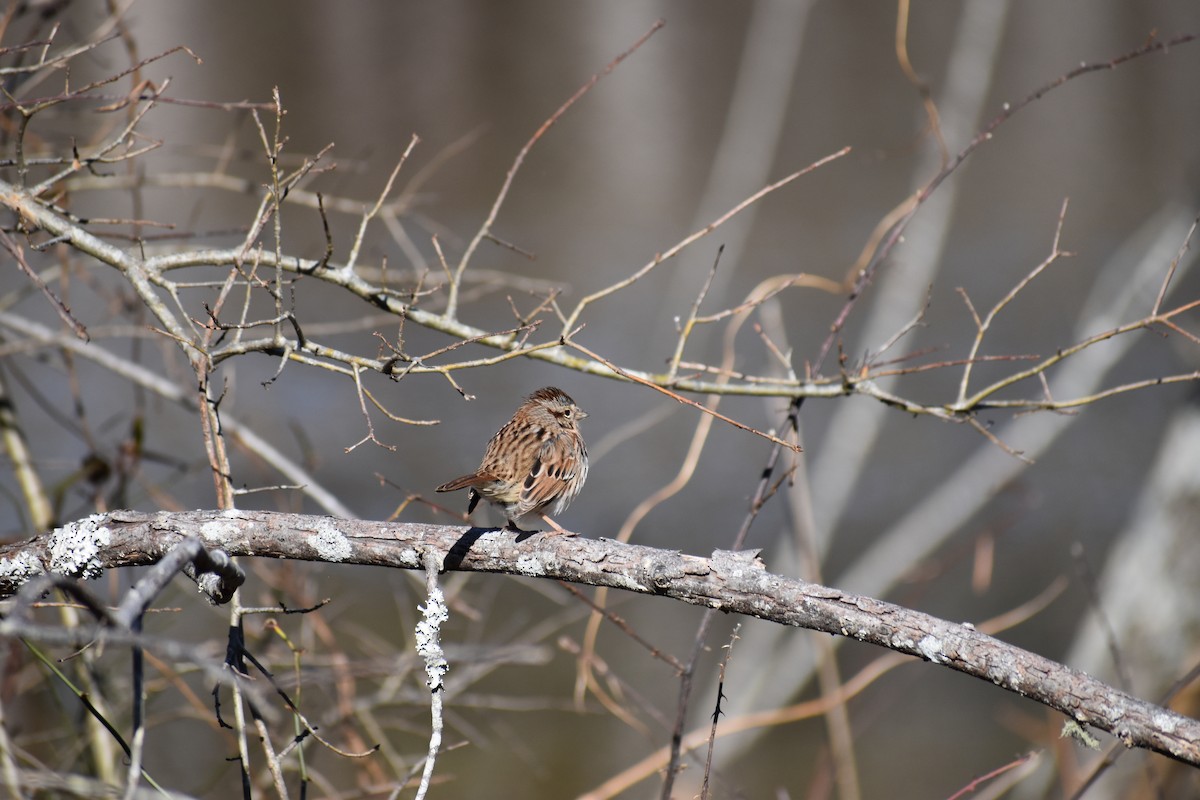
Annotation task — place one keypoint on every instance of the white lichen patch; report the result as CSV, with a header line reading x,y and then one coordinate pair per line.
x,y
932,649
75,548
330,543
428,639
528,565
21,568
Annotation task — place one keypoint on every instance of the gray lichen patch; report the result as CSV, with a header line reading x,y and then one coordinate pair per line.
x,y
330,543
222,531
932,649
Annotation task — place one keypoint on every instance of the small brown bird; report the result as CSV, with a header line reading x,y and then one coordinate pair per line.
x,y
537,459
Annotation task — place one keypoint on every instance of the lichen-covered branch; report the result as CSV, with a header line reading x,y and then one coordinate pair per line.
x,y
732,582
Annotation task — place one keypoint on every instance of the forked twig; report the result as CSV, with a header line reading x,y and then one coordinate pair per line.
x,y
362,405
982,326
686,329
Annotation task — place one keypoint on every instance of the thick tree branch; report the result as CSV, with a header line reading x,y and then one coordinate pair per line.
x,y
731,582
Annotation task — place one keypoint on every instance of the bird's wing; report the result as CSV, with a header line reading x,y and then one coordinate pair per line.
x,y
550,477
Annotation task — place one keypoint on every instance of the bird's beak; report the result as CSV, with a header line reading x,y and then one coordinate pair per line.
x,y
580,413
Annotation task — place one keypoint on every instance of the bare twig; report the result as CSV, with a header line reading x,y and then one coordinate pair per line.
x,y
60,307
485,229
982,326
1166,283
679,246
770,437
685,329
717,710
352,259
897,222
362,405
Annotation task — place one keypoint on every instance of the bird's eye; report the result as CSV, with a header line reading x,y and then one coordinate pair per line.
x,y
568,412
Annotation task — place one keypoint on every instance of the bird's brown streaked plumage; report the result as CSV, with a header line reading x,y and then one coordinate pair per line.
x,y
537,460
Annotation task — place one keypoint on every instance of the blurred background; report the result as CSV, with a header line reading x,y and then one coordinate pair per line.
x,y
726,98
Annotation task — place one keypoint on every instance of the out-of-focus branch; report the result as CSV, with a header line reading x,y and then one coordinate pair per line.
x,y
24,466
38,336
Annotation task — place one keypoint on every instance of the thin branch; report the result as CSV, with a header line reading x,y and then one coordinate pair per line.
x,y
891,230
370,214
626,629
770,437
982,327
1166,283
60,307
679,246
486,228
685,330
362,406
717,710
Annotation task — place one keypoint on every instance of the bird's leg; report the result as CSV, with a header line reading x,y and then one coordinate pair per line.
x,y
559,530
511,525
